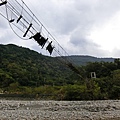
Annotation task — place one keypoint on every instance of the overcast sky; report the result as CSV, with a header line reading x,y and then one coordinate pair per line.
x,y
82,27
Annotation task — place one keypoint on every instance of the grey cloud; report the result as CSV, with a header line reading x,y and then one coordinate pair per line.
x,y
116,52
3,23
86,47
83,43
64,19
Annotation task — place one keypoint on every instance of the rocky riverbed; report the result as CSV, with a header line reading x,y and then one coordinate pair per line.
x,y
59,110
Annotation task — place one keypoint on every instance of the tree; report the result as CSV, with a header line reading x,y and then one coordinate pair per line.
x,y
5,79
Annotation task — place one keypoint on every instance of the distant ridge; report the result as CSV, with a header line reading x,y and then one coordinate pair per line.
x,y
84,59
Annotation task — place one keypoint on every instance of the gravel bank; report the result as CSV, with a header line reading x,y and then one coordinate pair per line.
x,y
59,110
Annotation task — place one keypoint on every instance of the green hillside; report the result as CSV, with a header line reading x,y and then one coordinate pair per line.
x,y
29,67
26,72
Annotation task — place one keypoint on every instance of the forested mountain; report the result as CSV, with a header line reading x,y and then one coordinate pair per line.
x,y
29,67
24,71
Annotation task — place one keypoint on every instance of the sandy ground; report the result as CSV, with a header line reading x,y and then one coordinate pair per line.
x,y
59,110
